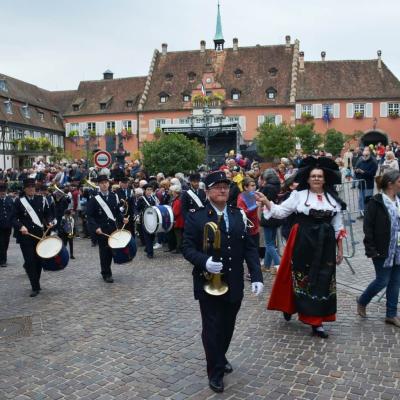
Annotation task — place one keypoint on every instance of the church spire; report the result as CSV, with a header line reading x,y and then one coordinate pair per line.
x,y
219,38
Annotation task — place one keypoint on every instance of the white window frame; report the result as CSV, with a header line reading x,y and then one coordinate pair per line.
x,y
41,115
394,108
233,118
91,126
74,126
127,124
359,108
184,121
26,111
110,125
186,98
8,106
160,122
3,85
163,99
306,109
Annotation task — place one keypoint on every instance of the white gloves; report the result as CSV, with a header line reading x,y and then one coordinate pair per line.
x,y
213,267
257,288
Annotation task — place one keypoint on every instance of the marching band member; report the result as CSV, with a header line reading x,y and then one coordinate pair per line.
x,y
7,212
32,213
104,216
193,198
128,201
66,231
147,200
219,312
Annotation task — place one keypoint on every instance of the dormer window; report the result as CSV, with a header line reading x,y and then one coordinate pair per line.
x,y
163,97
272,71
168,76
235,94
75,107
191,76
129,103
25,111
41,115
103,106
105,102
271,93
8,106
186,97
3,85
77,104
238,73
55,119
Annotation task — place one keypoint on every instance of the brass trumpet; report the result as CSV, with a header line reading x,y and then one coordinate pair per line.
x,y
89,183
214,286
57,189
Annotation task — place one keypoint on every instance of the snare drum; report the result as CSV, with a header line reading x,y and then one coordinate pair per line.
x,y
119,239
158,219
128,253
58,262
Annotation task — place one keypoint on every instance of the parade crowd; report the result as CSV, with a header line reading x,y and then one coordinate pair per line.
x,y
245,203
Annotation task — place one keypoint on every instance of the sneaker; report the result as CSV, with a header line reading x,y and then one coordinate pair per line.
x,y
274,269
264,268
361,310
393,321
157,246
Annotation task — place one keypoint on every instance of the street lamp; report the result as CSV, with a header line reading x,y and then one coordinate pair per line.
x,y
87,139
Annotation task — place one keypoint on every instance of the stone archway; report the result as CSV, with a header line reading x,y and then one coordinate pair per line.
x,y
374,136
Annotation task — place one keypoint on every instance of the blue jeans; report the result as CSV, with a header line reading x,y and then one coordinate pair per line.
x,y
271,254
363,193
388,278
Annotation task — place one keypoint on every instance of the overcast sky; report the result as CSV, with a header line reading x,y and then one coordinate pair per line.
x,y
57,43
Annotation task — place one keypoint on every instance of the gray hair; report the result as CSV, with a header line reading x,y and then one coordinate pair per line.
x,y
175,188
390,176
268,174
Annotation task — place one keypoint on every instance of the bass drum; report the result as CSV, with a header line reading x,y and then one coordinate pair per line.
x,y
126,254
158,219
58,262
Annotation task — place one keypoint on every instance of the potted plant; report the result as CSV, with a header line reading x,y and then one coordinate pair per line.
x,y
393,114
44,143
73,134
305,116
358,115
92,133
110,132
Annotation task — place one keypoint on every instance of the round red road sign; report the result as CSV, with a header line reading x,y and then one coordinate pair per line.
x,y
102,159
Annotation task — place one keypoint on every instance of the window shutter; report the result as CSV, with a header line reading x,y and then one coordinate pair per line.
x,y
261,119
349,110
82,127
101,128
67,128
298,111
317,110
118,127
384,109
278,119
176,121
369,110
152,125
134,126
242,123
336,110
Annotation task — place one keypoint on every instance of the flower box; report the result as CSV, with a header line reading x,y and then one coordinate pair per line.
x,y
358,115
394,115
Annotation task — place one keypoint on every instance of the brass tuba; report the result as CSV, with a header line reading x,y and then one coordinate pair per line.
x,y
215,286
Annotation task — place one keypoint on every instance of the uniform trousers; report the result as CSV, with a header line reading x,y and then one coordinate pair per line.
x,y
148,242
32,262
4,242
106,257
218,320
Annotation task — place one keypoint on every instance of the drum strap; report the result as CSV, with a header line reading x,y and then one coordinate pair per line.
x,y
105,207
145,200
195,198
31,212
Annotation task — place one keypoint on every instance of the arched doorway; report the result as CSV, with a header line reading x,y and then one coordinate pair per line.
x,y
374,137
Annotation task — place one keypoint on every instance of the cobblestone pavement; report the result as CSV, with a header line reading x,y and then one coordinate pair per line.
x,y
139,339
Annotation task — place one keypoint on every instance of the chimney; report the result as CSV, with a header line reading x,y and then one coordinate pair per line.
x,y
323,55
164,48
301,61
108,74
202,46
235,44
287,38
379,52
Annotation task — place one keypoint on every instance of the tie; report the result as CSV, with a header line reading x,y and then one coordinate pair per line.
x,y
126,193
222,224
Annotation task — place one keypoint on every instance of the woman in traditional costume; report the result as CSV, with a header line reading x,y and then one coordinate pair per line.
x,y
306,279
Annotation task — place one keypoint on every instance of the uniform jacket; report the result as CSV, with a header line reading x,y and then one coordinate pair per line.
x,y
236,247
188,204
127,195
7,211
22,218
97,218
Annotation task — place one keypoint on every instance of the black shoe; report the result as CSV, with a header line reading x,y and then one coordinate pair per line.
x,y
287,316
167,250
228,368
108,279
319,333
216,384
176,252
149,255
94,244
72,258
34,293
3,265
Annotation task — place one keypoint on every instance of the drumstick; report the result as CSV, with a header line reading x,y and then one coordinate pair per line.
x,y
109,236
46,231
123,226
34,236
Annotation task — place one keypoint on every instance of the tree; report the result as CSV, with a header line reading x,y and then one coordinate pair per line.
x,y
334,142
172,153
308,138
275,141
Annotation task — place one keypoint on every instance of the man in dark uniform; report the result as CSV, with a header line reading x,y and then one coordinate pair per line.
x,y
104,216
219,312
6,218
193,198
125,193
32,214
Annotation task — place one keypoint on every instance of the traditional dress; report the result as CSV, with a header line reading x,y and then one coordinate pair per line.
x,y
306,279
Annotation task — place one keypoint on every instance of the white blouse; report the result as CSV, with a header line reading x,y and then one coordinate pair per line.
x,y
297,203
